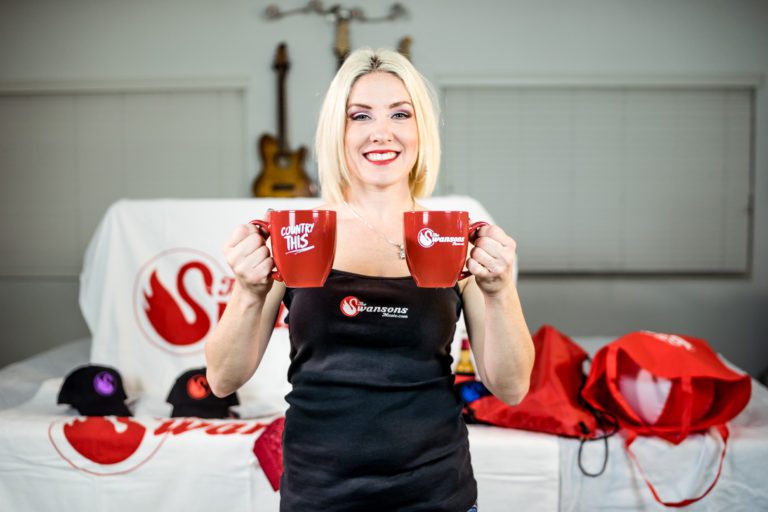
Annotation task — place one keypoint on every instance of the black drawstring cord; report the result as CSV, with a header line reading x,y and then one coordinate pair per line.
x,y
603,419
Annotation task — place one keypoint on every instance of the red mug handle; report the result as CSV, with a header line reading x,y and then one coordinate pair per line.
x,y
473,229
263,227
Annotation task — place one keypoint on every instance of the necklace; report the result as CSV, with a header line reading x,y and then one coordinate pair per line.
x,y
400,246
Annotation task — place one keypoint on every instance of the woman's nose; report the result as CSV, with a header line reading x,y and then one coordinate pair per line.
x,y
381,132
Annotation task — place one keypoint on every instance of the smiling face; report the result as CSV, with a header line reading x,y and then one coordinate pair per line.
x,y
381,140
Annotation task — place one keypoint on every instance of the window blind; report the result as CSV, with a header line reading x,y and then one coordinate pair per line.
x,y
65,157
608,179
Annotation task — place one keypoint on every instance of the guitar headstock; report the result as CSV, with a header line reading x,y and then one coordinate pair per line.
x,y
341,46
404,47
281,64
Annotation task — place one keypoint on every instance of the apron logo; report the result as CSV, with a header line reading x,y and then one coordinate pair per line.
x,y
351,306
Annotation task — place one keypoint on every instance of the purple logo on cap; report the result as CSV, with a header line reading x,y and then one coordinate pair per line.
x,y
104,384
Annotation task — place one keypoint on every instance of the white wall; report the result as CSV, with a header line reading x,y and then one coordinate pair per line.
x,y
102,40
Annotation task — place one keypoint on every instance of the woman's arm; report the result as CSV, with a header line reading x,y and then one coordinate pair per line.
x,y
235,347
496,326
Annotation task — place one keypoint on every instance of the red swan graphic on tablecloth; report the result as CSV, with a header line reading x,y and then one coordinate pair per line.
x,y
97,439
166,316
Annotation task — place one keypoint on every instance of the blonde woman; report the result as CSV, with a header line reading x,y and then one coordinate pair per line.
x,y
373,422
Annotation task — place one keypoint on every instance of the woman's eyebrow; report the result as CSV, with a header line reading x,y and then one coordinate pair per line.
x,y
368,107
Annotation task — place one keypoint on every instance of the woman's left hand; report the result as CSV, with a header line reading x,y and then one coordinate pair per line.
x,y
492,259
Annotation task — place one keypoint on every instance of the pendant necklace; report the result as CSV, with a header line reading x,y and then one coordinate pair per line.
x,y
400,246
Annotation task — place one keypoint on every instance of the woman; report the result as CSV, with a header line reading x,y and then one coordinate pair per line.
x,y
373,422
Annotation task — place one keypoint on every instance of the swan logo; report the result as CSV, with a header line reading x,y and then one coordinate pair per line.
x,y
427,238
197,387
349,306
105,445
179,295
111,445
104,384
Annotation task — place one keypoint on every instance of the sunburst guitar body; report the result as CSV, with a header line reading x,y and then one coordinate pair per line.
x,y
282,172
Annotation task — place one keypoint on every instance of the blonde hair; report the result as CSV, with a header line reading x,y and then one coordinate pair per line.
x,y
329,138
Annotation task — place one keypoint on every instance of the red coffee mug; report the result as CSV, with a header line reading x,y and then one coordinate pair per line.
x,y
436,246
303,245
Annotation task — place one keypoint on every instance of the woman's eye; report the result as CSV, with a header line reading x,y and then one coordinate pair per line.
x,y
359,116
401,115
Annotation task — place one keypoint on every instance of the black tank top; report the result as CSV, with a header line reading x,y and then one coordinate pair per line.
x,y
373,423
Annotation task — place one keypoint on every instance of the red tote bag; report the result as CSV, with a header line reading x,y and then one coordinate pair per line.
x,y
666,385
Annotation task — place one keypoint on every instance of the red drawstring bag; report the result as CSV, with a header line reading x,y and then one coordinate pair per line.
x,y
552,404
668,386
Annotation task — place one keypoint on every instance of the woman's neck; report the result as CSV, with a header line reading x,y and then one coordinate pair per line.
x,y
379,204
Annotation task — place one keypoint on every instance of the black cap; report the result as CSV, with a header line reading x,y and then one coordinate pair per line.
x,y
94,391
191,396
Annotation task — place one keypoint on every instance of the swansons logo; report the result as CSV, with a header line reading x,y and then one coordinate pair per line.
x,y
351,306
296,237
671,339
428,238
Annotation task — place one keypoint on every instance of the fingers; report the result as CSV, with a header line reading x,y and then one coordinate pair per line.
x,y
239,234
248,255
491,232
244,265
256,273
493,252
244,241
477,269
494,264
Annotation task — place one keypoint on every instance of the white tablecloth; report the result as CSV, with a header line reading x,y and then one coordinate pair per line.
x,y
190,464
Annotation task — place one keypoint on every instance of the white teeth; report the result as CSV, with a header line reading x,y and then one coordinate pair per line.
x,y
377,157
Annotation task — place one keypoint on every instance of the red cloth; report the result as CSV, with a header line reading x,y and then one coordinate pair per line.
x,y
268,449
552,404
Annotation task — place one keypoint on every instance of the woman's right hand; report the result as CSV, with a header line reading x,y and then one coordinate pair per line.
x,y
247,254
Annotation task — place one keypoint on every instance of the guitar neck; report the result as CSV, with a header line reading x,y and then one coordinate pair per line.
x,y
281,66
282,141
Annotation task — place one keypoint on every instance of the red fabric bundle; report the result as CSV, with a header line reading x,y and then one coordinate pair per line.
x,y
552,404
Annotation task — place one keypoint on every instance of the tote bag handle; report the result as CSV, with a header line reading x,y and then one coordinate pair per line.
x,y
631,436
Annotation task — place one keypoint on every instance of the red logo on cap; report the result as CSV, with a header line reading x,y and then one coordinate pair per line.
x,y
197,387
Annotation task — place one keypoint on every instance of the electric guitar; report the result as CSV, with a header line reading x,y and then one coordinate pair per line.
x,y
282,173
